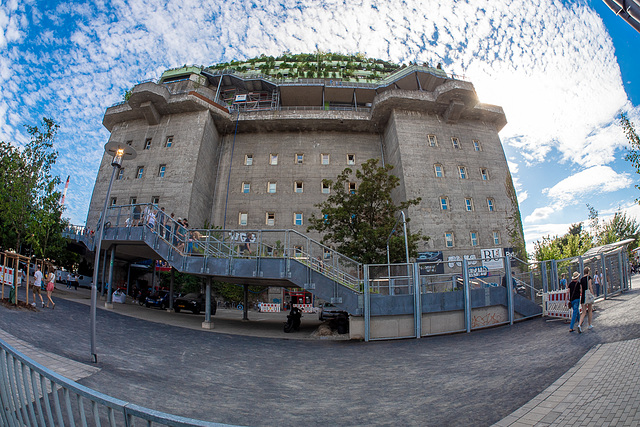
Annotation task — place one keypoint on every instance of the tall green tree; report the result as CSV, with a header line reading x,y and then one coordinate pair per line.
x,y
29,205
574,243
359,221
633,155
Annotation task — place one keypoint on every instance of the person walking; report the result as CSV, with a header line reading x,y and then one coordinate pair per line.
x,y
574,298
563,282
586,285
50,286
37,285
596,282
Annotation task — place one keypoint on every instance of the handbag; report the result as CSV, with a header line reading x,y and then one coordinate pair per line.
x,y
589,298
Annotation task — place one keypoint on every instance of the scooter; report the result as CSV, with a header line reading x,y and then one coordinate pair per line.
x,y
293,320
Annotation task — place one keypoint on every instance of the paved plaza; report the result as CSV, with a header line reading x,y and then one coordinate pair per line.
x,y
534,373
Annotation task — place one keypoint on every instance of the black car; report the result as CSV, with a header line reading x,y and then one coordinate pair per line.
x,y
158,299
194,302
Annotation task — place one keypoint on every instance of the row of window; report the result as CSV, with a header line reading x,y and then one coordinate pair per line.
x,y
168,143
298,187
462,172
162,170
468,204
133,200
270,218
455,142
450,240
299,158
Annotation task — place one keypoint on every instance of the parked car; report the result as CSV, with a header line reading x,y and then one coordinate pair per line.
x,y
330,311
158,299
194,302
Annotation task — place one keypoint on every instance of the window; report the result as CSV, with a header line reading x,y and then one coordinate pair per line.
x,y
114,201
298,186
297,218
248,159
161,170
474,238
351,159
484,174
468,204
324,159
352,187
147,144
155,200
242,218
299,159
140,172
448,239
463,172
129,142
271,187
120,174
169,142
444,203
433,141
271,218
490,205
496,238
326,253
133,200
476,145
246,187
273,159
456,143
439,170
326,188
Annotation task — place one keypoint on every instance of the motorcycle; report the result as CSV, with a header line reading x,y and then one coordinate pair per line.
x,y
293,320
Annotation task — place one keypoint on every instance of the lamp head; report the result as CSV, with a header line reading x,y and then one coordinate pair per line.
x,y
120,152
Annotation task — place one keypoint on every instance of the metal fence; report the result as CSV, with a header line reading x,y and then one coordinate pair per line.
x,y
32,395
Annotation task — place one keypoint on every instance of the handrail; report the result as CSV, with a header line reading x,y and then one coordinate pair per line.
x,y
31,394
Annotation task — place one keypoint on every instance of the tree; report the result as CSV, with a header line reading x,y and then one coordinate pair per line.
x,y
619,227
574,243
359,220
28,199
633,155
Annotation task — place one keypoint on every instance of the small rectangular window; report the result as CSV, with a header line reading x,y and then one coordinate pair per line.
x,y
248,159
155,200
298,187
271,187
468,204
246,187
114,200
324,159
444,203
439,170
490,205
169,142
161,171
463,172
456,143
147,144
496,238
476,145
297,218
133,200
140,172
474,238
448,238
273,159
433,141
299,159
326,188
352,187
271,218
351,159
242,218
484,173
120,174
326,253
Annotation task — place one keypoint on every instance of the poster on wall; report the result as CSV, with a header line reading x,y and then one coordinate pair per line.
x,y
492,258
430,262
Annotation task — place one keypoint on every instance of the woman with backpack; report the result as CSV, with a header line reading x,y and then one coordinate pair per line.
x,y
50,286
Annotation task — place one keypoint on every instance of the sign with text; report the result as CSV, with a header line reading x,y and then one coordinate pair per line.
x,y
492,258
430,262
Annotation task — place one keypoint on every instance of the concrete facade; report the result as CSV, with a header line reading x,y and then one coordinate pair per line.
x,y
220,162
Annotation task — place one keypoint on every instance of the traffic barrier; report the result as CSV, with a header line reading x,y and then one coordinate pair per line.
x,y
305,308
555,304
269,307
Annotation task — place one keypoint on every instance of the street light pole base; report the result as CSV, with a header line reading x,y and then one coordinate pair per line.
x,y
207,325
108,305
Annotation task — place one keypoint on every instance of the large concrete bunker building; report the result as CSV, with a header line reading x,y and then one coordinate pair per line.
x,y
247,146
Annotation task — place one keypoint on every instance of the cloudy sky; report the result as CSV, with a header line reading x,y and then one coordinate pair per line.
x,y
562,71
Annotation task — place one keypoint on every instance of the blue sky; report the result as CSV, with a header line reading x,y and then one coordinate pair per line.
x,y
562,71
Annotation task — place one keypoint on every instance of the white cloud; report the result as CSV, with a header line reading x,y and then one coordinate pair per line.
x,y
592,181
539,214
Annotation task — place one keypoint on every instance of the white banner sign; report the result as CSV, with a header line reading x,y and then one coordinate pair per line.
x,y
492,258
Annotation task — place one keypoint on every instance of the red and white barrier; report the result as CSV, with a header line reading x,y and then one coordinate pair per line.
x,y
7,276
305,308
266,307
555,304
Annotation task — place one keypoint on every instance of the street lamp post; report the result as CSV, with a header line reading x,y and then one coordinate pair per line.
x,y
119,152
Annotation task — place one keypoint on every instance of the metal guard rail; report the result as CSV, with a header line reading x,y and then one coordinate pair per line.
x,y
32,395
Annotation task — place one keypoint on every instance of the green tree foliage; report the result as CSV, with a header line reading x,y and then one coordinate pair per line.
x,y
633,155
359,221
575,242
619,227
29,205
